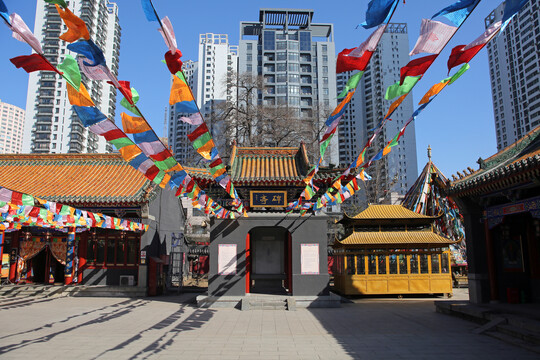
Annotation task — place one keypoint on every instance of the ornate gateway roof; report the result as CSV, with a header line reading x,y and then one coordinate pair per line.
x,y
76,179
517,164
282,166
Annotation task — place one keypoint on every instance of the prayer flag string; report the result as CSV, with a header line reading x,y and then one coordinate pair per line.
x,y
182,98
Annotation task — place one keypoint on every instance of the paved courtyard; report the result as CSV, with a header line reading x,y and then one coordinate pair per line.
x,y
162,328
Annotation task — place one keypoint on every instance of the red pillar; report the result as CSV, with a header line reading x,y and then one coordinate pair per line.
x,y
13,262
248,264
83,253
491,263
289,262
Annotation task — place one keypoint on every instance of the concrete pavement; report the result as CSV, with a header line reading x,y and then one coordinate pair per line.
x,y
163,328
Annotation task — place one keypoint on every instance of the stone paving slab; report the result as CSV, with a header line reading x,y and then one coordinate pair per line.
x,y
166,328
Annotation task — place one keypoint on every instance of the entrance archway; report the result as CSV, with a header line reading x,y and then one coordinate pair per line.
x,y
269,260
45,268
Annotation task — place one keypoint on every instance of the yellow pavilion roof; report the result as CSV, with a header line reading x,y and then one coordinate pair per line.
x,y
389,212
394,238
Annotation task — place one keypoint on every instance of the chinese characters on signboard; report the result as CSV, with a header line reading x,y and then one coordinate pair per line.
x,y
268,198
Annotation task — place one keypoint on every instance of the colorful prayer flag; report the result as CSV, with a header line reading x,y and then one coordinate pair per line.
x,y
433,37
352,83
71,71
89,49
167,32
395,105
434,90
62,3
31,63
512,7
371,43
187,107
149,10
464,53
79,98
4,12
396,89
180,91
193,119
133,125
458,74
348,63
458,11
22,33
417,67
76,27
173,61
378,11
89,115
135,98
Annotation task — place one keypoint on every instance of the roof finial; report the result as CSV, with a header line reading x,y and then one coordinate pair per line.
x,y
429,152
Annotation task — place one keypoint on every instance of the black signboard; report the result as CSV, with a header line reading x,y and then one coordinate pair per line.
x,y
268,198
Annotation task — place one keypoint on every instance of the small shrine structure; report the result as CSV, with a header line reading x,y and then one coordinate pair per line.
x,y
388,249
269,251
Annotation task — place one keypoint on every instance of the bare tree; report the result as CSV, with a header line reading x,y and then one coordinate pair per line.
x,y
249,121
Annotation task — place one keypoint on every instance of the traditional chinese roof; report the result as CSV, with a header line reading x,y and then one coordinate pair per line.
x,y
387,214
76,179
393,238
515,165
268,165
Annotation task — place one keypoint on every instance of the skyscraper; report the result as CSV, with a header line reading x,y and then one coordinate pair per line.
x,y
207,79
51,126
398,170
514,70
11,128
178,130
295,59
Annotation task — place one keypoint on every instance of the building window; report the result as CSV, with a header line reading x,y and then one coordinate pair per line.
x,y
269,40
305,41
113,250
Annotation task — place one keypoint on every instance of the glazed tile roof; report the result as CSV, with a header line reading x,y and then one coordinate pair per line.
x,y
393,238
75,178
271,164
268,165
516,164
388,212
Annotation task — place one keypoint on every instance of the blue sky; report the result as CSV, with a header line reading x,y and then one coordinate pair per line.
x,y
458,125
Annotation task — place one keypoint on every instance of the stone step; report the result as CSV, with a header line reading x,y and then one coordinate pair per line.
x,y
106,291
532,337
514,341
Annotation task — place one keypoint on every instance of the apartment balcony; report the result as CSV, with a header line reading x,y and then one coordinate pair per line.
x,y
41,129
78,131
42,139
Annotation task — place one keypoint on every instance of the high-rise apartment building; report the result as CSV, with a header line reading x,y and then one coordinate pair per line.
x,y
397,171
207,79
178,130
514,70
51,126
295,59
11,128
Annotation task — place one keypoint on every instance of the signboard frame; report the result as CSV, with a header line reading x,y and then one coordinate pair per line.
x,y
270,193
